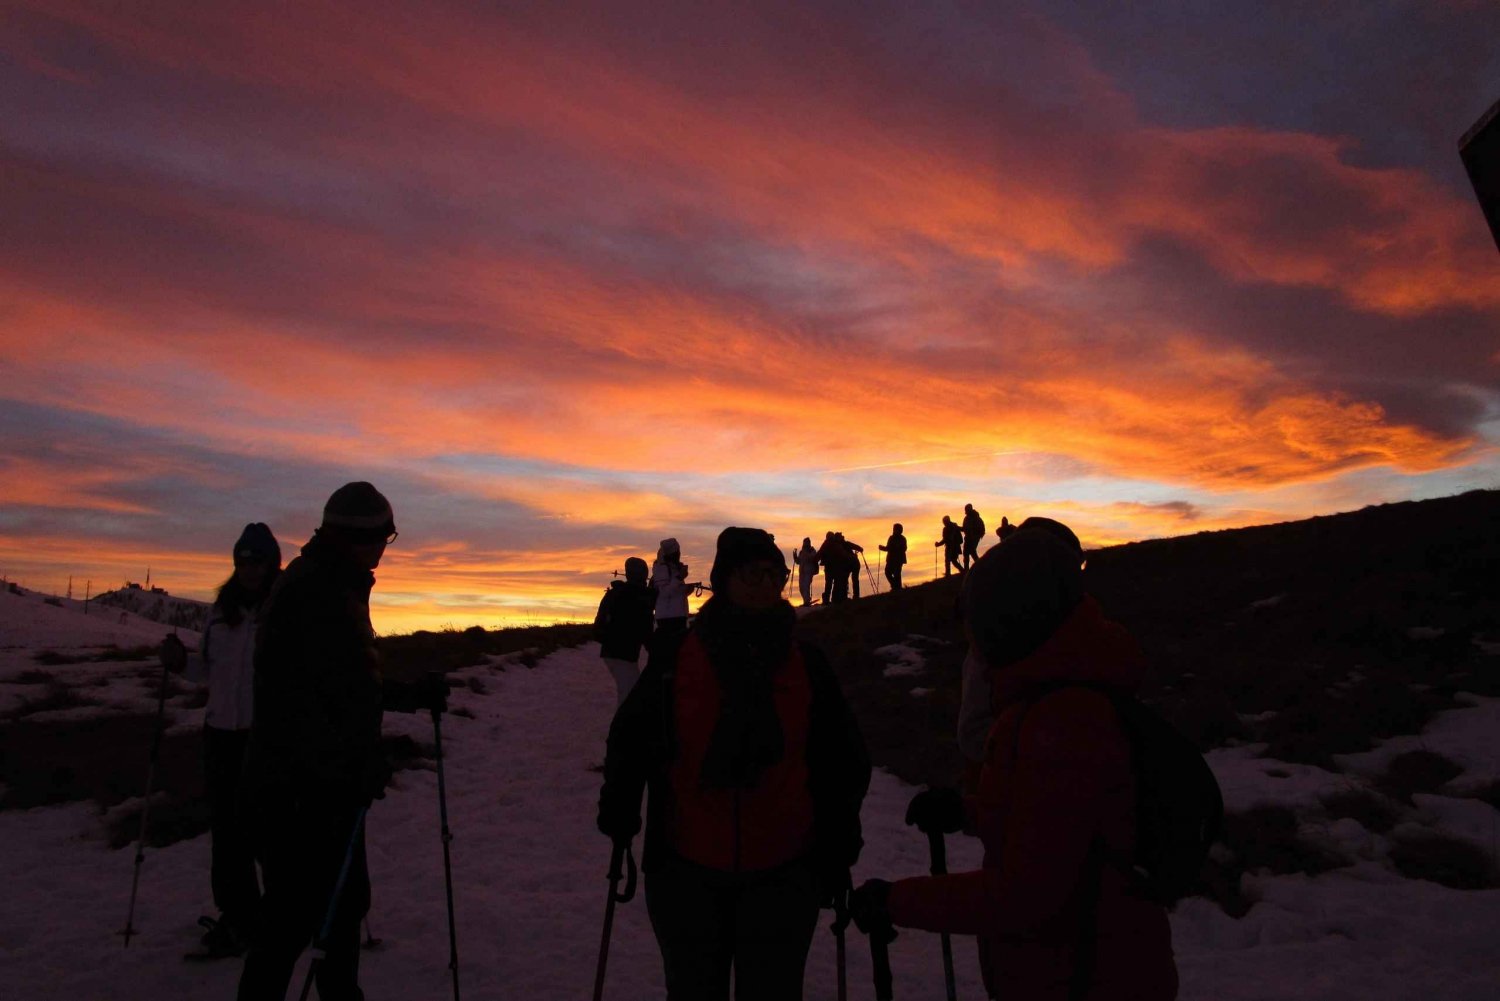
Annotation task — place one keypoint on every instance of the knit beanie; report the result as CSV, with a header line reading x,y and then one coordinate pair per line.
x,y
359,510
668,551
1018,594
257,543
738,547
636,570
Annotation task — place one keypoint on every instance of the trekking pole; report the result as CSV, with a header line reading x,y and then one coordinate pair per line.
x,y
939,852
621,853
437,737
140,841
319,949
870,575
880,962
840,923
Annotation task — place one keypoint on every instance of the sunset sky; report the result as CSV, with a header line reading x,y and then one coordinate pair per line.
x,y
565,279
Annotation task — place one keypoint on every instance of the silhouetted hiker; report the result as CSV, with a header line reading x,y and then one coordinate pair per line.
x,y
623,625
669,577
225,661
315,761
1006,529
828,555
973,529
1056,801
854,550
952,543
807,569
976,714
895,556
756,771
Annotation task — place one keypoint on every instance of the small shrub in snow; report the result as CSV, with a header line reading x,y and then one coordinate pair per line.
x,y
1418,771
1373,811
1440,859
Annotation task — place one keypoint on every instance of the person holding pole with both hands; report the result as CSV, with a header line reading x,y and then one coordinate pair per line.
x,y
756,771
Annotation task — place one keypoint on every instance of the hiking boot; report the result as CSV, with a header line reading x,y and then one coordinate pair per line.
x,y
222,939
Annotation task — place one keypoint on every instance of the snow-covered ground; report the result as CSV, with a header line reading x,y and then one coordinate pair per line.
x,y
529,874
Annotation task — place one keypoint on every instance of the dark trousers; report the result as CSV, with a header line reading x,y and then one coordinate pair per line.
x,y
232,871
302,842
671,627
950,561
709,922
971,553
840,587
893,576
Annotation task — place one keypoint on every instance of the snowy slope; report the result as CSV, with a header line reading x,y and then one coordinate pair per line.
x,y
529,873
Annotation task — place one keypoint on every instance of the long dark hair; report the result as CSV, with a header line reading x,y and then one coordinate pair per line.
x,y
232,599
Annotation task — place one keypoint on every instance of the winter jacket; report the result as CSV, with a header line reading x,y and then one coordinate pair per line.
x,y
319,692
225,661
807,562
806,806
670,582
623,622
895,551
1056,795
953,537
973,528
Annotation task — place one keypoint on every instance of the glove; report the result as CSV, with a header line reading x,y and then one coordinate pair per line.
x,y
833,885
936,811
619,828
432,692
868,907
374,777
173,654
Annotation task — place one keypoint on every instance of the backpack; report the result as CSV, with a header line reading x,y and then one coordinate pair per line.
x,y
1179,810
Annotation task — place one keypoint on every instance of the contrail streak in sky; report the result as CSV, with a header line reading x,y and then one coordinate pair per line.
x,y
918,462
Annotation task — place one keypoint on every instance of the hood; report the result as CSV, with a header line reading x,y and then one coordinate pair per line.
x,y
1086,648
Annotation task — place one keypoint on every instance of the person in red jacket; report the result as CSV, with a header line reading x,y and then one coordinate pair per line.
x,y
756,771
1055,801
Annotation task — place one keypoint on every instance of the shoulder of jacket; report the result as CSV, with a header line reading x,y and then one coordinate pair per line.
x,y
1071,720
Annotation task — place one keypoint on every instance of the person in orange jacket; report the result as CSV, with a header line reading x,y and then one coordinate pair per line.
x,y
754,771
1055,802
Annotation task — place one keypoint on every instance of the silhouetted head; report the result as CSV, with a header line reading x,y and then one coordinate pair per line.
x,y
358,516
968,509
257,557
669,551
636,570
1018,594
827,536
896,528
947,520
748,569
807,542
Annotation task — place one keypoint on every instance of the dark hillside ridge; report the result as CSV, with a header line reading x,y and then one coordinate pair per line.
x,y
1322,626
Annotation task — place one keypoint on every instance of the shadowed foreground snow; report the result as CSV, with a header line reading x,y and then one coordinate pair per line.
x,y
529,873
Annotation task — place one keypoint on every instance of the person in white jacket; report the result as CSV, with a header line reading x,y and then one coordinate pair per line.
x,y
669,577
224,661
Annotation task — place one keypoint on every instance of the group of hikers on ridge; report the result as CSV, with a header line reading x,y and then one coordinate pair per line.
x,y
750,761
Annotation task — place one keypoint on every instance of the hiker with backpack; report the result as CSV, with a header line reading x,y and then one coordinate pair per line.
x,y
806,559
1060,909
315,762
754,769
852,554
669,578
895,556
224,661
952,543
973,529
622,625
